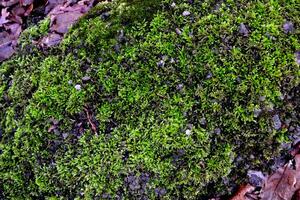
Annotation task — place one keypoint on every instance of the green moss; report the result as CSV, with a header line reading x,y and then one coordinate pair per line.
x,y
148,90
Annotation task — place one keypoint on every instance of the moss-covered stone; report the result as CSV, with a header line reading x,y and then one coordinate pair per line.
x,y
174,98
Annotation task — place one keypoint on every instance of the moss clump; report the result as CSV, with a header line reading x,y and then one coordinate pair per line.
x,y
174,109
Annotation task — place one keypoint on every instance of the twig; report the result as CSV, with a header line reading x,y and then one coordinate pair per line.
x,y
93,126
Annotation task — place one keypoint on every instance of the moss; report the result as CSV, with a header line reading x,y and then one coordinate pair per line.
x,y
174,112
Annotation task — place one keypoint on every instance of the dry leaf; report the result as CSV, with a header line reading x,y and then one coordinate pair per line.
x,y
26,2
283,184
241,193
7,3
4,16
62,17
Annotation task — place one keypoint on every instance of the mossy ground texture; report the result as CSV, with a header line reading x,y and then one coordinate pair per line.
x,y
183,102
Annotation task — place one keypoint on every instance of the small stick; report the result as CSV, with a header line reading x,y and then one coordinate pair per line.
x,y
93,126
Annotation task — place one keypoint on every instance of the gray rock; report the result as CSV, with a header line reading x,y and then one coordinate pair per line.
x,y
86,78
179,86
203,121
256,178
161,63
297,56
288,27
209,75
217,131
178,31
78,87
65,135
276,122
186,13
257,112
243,30
262,98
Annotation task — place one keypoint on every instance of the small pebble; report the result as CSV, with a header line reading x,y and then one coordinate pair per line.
x,y
243,30
297,55
179,87
186,13
65,135
178,31
288,27
188,132
78,87
161,63
256,178
217,131
86,78
276,122
209,75
262,98
203,121
257,112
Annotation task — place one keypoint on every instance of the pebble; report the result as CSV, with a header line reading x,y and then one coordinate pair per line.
x,y
188,132
65,135
243,30
186,13
203,121
178,31
276,122
161,63
297,55
288,27
217,131
256,178
78,87
179,86
209,75
86,78
262,98
257,112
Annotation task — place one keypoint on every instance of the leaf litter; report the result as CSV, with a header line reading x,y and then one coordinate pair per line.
x,y
62,13
283,184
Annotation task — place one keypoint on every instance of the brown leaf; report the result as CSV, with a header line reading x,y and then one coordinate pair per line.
x,y
62,22
241,193
28,10
18,10
4,16
283,184
52,4
62,17
8,3
6,46
14,29
26,2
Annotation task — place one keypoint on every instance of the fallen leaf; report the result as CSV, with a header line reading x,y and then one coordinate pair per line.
x,y
26,2
6,46
62,22
8,3
4,16
62,17
241,193
14,29
283,184
52,4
